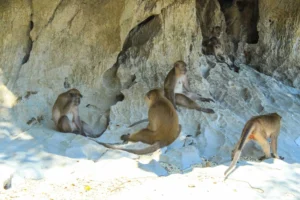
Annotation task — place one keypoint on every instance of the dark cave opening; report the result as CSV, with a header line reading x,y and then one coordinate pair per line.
x,y
241,19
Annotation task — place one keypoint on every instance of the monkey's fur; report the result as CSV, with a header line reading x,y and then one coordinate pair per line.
x,y
259,129
178,92
177,89
65,106
163,127
214,47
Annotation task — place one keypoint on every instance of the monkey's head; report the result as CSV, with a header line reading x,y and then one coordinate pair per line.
x,y
180,67
216,32
153,95
241,5
75,95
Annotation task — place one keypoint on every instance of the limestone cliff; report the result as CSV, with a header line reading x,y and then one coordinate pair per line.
x,y
116,50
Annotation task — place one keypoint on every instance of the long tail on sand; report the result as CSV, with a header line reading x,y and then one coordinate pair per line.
x,y
138,122
248,129
150,149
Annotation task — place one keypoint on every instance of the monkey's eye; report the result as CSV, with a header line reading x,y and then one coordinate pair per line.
x,y
72,94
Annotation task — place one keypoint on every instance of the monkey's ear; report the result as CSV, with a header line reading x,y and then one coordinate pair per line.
x,y
148,95
80,95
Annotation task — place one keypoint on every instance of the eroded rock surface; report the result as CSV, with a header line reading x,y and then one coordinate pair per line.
x,y
115,51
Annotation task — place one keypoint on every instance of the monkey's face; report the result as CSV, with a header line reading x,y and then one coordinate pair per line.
x,y
75,97
216,31
181,69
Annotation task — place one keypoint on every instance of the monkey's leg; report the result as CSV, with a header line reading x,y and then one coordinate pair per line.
x,y
274,139
87,130
78,123
195,96
144,135
264,145
183,100
64,125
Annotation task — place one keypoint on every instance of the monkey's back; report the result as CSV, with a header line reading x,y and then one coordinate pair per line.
x,y
265,124
169,82
165,116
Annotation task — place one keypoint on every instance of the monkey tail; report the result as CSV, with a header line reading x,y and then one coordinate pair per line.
x,y
150,149
138,122
249,128
222,61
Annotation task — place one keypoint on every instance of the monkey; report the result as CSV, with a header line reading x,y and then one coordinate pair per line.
x,y
259,128
65,105
162,130
175,82
174,92
214,47
216,32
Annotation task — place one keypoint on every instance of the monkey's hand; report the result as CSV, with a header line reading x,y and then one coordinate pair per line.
x,y
125,137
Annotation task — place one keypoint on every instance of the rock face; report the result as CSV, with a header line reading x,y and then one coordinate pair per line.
x,y
277,51
115,51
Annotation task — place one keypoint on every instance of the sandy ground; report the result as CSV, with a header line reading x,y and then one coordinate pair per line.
x,y
271,179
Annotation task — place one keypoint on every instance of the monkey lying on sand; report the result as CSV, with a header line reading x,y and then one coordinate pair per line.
x,y
65,105
259,129
163,127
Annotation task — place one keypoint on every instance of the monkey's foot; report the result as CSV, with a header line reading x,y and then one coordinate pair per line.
x,y
207,110
281,157
263,158
278,157
125,137
206,100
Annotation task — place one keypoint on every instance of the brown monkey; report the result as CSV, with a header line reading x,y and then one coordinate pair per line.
x,y
173,88
163,127
216,32
176,82
259,129
65,106
214,47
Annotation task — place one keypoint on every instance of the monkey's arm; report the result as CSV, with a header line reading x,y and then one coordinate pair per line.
x,y
67,107
153,118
